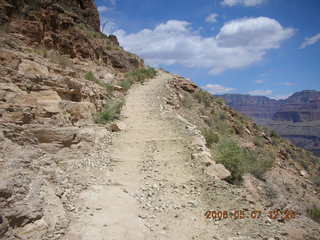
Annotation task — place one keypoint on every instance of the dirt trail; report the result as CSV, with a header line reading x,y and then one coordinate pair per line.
x,y
155,190
115,210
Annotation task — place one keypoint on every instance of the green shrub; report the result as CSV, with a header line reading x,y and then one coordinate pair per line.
x,y
125,84
140,75
204,97
259,141
243,118
90,77
110,112
240,161
187,101
220,101
314,213
108,87
210,136
223,127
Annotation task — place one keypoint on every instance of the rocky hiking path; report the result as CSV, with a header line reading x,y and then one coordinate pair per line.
x,y
155,189
148,154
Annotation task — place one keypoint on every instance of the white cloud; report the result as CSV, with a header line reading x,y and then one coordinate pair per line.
x,y
254,33
310,41
259,81
217,89
212,18
289,84
280,97
239,43
103,9
246,3
260,92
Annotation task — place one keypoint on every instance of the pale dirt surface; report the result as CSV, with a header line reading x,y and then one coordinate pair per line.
x,y
117,211
154,191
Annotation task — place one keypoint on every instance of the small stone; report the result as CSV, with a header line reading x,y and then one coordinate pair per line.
x,y
115,128
117,88
141,216
303,173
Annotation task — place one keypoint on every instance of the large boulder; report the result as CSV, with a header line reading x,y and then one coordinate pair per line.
x,y
48,100
79,111
218,171
31,67
65,136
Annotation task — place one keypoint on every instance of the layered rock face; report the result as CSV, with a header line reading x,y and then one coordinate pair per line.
x,y
83,11
71,27
300,107
296,118
257,107
48,109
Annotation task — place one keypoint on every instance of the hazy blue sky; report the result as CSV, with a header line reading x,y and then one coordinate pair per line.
x,y
260,47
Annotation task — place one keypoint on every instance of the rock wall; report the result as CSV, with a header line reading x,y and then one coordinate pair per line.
x,y
48,110
70,27
257,107
300,107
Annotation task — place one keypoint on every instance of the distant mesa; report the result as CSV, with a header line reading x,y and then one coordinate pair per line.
x,y
296,118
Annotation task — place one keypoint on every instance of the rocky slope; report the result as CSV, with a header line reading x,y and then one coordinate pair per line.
x,y
64,176
71,27
57,73
292,118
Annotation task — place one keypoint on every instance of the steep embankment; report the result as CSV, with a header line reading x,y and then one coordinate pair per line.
x,y
58,72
